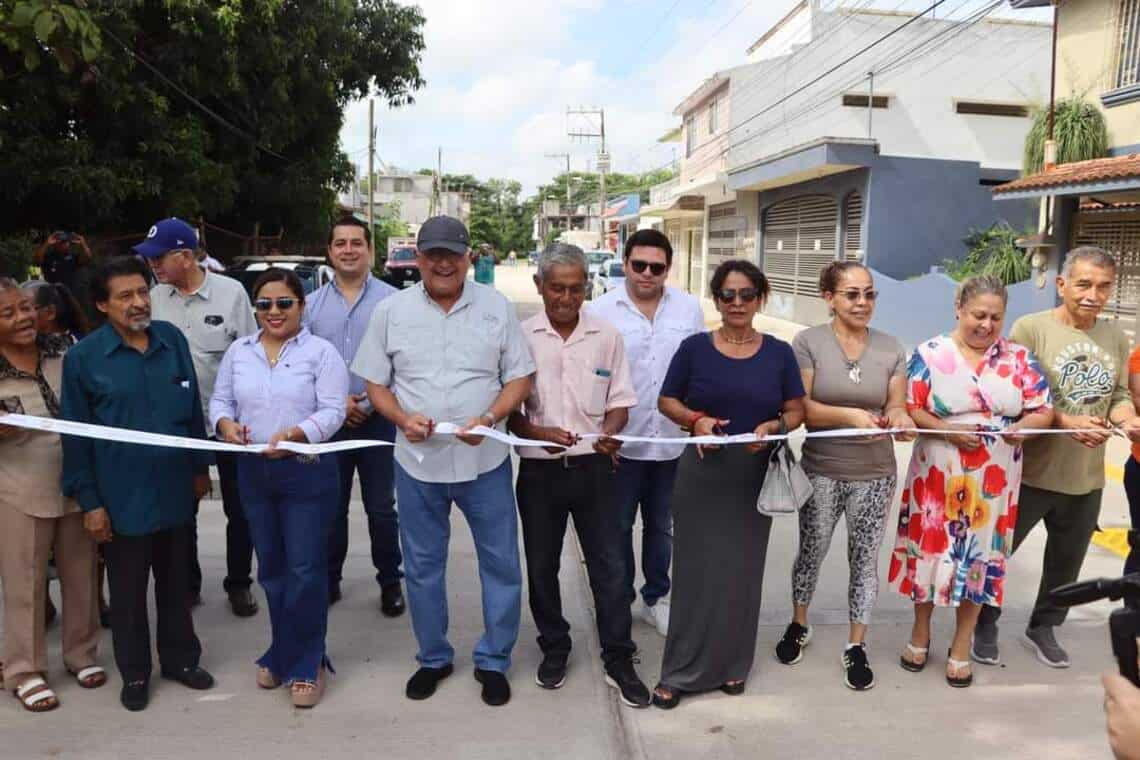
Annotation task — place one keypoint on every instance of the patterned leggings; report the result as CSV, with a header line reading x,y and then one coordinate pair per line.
x,y
866,504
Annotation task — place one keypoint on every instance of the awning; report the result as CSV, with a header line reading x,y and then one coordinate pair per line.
x,y
1098,176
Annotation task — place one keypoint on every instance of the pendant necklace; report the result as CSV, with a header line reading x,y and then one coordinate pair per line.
x,y
854,371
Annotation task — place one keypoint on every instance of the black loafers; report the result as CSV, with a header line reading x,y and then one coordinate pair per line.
x,y
423,682
135,695
242,603
392,600
496,688
194,678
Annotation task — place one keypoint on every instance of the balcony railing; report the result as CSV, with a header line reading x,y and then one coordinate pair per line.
x,y
663,192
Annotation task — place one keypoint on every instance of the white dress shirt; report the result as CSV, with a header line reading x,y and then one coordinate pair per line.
x,y
649,347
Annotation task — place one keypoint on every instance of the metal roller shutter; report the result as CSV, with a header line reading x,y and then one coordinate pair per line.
x,y
1117,232
799,241
853,227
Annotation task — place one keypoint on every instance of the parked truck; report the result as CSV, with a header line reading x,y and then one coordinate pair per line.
x,y
400,267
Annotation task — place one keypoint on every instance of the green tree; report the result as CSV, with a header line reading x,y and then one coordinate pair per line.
x,y
585,187
1078,128
992,251
221,108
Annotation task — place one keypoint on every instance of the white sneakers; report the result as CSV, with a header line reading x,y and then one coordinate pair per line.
x,y
657,615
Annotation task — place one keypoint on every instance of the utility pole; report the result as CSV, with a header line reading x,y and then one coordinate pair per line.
x,y
371,158
603,160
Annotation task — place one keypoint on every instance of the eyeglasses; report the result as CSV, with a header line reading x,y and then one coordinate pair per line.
x,y
747,295
857,295
656,268
265,304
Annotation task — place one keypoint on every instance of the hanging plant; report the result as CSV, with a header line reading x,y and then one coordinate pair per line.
x,y
1078,128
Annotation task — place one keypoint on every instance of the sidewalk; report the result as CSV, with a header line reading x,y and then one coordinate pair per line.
x,y
364,713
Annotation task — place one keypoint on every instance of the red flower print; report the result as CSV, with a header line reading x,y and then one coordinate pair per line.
x,y
935,541
914,527
1004,370
994,482
935,488
896,568
973,460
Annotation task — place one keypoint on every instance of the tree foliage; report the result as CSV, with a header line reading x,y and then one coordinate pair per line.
x,y
585,187
1078,128
229,109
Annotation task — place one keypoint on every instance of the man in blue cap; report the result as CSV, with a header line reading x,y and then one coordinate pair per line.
x,y
138,501
212,311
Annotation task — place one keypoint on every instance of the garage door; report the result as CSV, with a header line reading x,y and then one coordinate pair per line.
x,y
1117,232
799,241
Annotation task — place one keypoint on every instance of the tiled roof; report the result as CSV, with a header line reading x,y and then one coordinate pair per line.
x,y
1077,173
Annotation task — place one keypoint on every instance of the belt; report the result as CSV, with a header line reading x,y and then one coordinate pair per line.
x,y
571,462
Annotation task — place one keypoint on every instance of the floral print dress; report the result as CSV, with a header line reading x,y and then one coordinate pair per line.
x,y
959,508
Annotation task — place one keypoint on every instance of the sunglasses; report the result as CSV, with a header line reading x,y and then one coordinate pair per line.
x,y
747,295
857,295
656,269
265,304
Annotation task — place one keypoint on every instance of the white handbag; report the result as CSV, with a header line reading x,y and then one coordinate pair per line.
x,y
786,486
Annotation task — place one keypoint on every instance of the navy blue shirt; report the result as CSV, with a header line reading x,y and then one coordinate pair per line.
x,y
746,392
145,489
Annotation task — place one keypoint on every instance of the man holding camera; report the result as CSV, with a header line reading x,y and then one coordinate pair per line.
x,y
61,256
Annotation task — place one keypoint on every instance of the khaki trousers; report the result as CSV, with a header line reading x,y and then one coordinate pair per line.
x,y
26,543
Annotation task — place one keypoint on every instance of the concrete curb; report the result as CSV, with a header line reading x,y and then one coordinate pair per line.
x,y
625,738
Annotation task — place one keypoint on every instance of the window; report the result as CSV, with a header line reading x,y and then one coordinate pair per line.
x,y
712,116
854,100
690,136
991,109
1128,65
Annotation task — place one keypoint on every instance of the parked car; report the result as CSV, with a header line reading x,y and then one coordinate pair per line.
x,y
312,270
400,269
611,276
532,257
596,262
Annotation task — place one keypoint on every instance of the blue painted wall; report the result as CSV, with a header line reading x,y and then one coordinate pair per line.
x,y
919,210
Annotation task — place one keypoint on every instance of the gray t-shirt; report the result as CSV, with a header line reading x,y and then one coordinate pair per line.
x,y
817,349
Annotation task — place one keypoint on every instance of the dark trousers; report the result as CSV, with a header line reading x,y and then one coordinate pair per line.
x,y
377,490
549,492
1069,521
130,562
239,546
1132,488
648,485
290,506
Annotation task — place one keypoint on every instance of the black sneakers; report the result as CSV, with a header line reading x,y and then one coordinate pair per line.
x,y
856,670
790,650
552,671
623,677
496,688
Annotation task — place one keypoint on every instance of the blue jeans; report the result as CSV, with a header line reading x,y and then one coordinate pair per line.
x,y
650,485
488,503
1132,488
375,468
290,508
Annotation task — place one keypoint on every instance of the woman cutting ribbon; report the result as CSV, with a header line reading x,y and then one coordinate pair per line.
x,y
959,505
732,380
285,384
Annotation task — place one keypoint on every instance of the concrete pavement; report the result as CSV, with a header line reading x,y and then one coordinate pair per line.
x,y
1019,710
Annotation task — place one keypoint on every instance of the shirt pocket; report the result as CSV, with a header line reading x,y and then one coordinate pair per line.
x,y
176,399
214,340
475,350
597,393
411,351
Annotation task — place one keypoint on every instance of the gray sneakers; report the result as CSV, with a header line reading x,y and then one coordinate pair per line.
x,y
1043,643
984,648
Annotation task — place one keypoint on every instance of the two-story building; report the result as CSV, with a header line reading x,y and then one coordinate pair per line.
x,y
1097,202
410,196
889,159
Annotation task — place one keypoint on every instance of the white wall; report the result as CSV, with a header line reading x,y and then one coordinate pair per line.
x,y
796,31
992,61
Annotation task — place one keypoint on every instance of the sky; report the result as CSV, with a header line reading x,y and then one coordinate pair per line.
x,y
501,74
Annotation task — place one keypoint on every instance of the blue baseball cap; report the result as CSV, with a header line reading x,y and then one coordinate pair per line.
x,y
171,234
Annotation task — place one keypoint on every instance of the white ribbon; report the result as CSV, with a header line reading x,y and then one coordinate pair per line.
x,y
106,433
